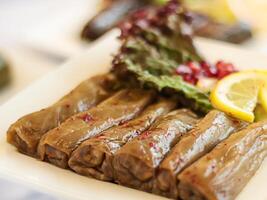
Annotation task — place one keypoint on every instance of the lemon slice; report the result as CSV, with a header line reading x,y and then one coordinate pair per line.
x,y
237,94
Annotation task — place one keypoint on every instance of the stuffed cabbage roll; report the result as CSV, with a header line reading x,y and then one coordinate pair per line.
x,y
224,172
94,157
57,145
212,129
135,163
28,130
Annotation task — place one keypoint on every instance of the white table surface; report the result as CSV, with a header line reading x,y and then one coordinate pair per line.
x,y
50,26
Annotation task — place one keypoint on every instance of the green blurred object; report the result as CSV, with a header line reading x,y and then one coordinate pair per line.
x,y
260,113
4,73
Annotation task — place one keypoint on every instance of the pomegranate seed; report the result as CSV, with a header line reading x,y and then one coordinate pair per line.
x,y
192,72
170,8
190,78
140,14
224,69
86,117
144,135
194,67
209,70
151,144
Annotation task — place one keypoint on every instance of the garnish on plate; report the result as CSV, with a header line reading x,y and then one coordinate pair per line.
x,y
157,49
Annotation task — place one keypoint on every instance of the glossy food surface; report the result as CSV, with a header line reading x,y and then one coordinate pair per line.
x,y
136,162
213,128
57,145
28,130
94,157
223,173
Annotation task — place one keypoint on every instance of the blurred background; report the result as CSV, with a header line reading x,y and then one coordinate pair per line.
x,y
36,36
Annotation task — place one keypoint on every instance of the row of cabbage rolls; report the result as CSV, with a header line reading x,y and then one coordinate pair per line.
x,y
138,139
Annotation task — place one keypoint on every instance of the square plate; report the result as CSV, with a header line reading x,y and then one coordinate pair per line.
x,y
63,183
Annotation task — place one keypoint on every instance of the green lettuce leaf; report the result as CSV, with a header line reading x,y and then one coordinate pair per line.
x,y
152,55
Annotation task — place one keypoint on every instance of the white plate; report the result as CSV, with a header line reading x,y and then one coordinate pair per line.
x,y
66,184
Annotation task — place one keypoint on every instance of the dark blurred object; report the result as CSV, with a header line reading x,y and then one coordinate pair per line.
x,y
109,17
4,73
203,25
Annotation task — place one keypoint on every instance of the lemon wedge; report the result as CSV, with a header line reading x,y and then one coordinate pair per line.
x,y
238,94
